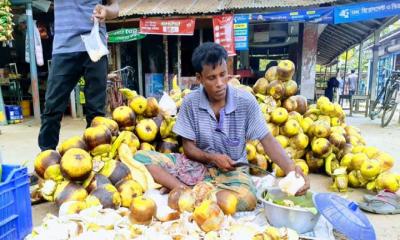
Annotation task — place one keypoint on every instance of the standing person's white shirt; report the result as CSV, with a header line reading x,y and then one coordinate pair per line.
x,y
341,82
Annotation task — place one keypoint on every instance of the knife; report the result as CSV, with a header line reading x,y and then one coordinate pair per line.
x,y
251,165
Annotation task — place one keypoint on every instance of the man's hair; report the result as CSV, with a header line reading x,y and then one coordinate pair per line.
x,y
353,71
208,54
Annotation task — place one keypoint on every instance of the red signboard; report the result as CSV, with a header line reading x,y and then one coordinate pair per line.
x,y
167,26
223,32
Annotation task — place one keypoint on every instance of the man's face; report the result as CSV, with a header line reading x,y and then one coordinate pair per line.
x,y
214,81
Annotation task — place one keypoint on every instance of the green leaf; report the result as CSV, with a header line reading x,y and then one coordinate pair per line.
x,y
305,201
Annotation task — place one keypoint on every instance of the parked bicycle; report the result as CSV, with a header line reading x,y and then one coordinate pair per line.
x,y
116,80
387,99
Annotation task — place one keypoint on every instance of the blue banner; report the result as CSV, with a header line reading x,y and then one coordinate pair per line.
x,y
241,31
365,11
317,15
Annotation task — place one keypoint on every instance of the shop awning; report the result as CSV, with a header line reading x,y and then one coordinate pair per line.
x,y
153,7
335,39
354,23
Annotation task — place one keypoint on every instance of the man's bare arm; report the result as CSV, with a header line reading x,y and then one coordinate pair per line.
x,y
277,154
192,152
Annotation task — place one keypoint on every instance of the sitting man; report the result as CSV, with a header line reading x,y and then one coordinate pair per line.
x,y
215,122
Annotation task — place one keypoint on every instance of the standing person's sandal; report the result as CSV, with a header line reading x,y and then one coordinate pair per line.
x,y
384,203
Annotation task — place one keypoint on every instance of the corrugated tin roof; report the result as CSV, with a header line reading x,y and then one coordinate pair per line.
x,y
152,7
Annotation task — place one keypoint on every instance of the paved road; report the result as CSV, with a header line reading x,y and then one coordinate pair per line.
x,y
18,144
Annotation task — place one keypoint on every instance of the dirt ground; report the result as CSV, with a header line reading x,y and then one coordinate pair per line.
x,y
18,144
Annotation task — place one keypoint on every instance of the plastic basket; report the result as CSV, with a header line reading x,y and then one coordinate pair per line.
x,y
14,114
15,204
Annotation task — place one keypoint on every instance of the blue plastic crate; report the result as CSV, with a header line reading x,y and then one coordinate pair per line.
x,y
14,113
15,203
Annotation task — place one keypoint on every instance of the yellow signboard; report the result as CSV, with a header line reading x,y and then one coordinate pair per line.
x,y
240,26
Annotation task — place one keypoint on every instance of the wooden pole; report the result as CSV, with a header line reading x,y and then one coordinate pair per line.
x,y
140,67
345,72
166,82
73,103
375,59
179,61
359,66
79,109
201,36
32,63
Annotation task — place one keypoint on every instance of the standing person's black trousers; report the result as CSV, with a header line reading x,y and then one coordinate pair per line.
x,y
66,70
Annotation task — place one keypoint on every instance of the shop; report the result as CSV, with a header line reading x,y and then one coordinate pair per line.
x,y
259,39
16,74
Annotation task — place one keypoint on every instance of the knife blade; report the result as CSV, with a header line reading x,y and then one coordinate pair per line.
x,y
251,165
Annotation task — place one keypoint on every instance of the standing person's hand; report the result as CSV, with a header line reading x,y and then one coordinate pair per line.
x,y
99,13
303,190
223,162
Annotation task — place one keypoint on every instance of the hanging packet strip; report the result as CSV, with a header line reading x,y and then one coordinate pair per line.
x,y
93,43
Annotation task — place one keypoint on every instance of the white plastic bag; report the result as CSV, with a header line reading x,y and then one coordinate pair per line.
x,y
38,46
93,43
291,183
168,105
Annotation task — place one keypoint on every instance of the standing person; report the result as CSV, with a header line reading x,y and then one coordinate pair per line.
x,y
70,61
215,122
341,83
352,79
332,84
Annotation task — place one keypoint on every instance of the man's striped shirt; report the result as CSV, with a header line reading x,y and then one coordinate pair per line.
x,y
72,18
240,120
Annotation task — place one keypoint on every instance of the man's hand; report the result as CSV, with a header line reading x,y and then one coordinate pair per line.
x,y
279,156
299,173
100,13
103,12
223,162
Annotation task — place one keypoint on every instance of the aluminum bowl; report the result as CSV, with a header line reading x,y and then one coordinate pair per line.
x,y
297,219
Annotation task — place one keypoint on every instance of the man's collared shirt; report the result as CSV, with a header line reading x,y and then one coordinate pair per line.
x,y
240,120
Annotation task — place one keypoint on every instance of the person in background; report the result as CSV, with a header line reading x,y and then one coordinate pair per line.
x,y
270,64
332,84
352,79
70,61
261,74
341,83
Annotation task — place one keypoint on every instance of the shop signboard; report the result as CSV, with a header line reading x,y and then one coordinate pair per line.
x,y
223,32
241,31
157,26
125,35
366,10
316,15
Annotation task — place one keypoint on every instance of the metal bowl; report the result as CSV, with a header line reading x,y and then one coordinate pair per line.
x,y
297,219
